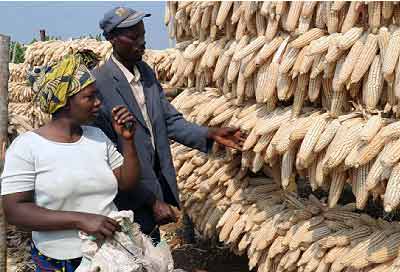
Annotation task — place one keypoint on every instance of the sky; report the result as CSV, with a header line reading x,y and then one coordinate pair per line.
x,y
22,20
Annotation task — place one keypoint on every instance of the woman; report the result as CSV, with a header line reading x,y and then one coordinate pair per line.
x,y
62,178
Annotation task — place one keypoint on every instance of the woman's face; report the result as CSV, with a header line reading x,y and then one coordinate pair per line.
x,y
84,106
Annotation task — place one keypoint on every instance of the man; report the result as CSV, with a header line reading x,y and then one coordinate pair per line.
x,y
126,80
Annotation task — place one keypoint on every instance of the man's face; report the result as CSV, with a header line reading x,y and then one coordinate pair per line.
x,y
129,44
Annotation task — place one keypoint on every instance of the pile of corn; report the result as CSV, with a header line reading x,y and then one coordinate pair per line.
x,y
18,72
277,230
335,63
161,62
23,115
44,53
315,85
321,53
19,92
354,148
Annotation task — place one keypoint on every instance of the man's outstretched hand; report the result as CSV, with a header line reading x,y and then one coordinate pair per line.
x,y
230,137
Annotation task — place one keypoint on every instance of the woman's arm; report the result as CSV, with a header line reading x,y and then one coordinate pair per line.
x,y
20,210
127,174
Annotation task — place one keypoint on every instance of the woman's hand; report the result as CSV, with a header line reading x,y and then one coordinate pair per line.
x,y
99,226
121,116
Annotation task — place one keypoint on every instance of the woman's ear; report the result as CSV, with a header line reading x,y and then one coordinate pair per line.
x,y
68,105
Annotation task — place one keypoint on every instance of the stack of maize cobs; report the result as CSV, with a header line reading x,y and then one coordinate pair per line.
x,y
49,52
319,53
45,53
315,85
161,61
277,230
23,115
18,72
355,148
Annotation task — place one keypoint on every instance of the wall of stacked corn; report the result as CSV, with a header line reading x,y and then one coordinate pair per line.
x,y
43,53
23,115
316,86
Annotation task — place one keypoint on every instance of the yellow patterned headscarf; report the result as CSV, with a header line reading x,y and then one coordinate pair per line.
x,y
55,83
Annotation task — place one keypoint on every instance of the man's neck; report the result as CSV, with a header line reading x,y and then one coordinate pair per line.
x,y
127,64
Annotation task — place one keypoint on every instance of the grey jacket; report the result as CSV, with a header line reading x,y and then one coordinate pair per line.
x,y
167,124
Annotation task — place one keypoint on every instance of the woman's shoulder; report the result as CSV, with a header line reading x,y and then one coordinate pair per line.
x,y
25,138
94,133
23,143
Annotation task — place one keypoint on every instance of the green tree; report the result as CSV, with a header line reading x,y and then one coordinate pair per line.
x,y
97,37
17,52
52,38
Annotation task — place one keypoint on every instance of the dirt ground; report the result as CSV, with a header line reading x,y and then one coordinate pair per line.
x,y
201,255
192,258
18,251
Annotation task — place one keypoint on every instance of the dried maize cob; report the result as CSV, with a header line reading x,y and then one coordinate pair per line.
x,y
267,50
374,16
391,56
373,125
250,48
391,198
337,184
300,94
307,37
348,39
223,13
365,59
311,138
293,15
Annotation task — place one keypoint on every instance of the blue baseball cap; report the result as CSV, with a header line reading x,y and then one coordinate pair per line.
x,y
121,17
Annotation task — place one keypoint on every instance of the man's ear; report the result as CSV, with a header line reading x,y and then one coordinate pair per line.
x,y
112,39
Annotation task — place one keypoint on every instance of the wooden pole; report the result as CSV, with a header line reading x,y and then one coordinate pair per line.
x,y
4,74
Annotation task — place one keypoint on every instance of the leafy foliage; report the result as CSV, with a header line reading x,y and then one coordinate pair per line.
x,y
17,52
